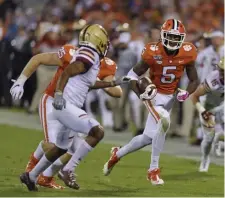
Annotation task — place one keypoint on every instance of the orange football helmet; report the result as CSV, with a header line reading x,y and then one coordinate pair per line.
x,y
172,34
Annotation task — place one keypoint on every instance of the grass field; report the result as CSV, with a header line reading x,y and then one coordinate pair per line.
x,y
127,179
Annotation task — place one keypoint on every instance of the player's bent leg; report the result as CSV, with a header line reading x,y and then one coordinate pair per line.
x,y
29,179
47,159
206,145
217,144
46,179
49,125
67,174
136,143
158,133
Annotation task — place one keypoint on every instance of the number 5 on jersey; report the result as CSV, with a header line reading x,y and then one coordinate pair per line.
x,y
167,75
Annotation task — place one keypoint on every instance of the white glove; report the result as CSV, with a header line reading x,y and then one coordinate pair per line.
x,y
17,89
182,95
150,92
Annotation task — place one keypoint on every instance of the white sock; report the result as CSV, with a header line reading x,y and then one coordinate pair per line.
x,y
53,169
39,168
39,152
157,147
136,143
79,154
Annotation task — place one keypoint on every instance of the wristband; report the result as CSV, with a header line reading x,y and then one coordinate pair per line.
x,y
22,79
59,92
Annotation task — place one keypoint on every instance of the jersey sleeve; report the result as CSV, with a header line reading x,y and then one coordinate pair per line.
x,y
211,81
147,53
107,68
190,51
66,53
87,56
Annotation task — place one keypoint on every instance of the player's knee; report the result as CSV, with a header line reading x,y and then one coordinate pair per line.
x,y
209,136
164,118
97,132
146,140
47,146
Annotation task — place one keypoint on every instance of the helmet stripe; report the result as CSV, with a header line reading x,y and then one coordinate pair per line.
x,y
104,32
175,24
85,30
178,24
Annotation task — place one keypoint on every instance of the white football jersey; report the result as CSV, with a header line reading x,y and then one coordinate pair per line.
x,y
78,86
206,61
213,82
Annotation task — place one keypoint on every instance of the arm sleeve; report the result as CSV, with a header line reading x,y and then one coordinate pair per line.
x,y
86,56
146,55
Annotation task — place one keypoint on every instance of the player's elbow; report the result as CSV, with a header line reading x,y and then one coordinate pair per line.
x,y
195,82
36,59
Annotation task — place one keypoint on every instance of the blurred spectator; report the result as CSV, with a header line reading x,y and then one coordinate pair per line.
x,y
5,7
126,59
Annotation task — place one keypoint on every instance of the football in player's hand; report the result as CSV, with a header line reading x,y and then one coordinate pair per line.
x,y
143,83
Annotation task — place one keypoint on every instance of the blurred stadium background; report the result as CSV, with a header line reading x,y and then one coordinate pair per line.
x,y
28,27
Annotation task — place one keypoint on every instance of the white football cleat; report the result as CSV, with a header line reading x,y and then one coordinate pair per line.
x,y
154,177
111,162
204,166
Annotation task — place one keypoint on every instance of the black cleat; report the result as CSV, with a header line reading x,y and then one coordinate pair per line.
x,y
25,179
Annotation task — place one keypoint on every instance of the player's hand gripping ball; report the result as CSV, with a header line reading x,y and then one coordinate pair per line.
x,y
146,88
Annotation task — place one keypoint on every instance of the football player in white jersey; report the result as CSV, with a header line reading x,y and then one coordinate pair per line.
x,y
214,82
69,97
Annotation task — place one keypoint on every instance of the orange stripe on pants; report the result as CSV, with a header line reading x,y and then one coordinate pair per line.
x,y
44,117
40,111
152,110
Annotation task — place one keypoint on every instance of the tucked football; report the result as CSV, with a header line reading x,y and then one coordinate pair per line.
x,y
143,83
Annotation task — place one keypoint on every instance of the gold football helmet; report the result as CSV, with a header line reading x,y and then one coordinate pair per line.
x,y
96,37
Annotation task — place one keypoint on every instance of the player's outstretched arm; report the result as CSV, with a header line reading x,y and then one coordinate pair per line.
x,y
193,78
200,91
113,91
47,59
139,69
112,83
206,115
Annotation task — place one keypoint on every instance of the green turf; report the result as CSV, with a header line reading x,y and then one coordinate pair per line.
x,y
127,179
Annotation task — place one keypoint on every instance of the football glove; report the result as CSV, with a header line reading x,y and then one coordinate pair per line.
x,y
150,92
59,102
182,95
208,119
17,89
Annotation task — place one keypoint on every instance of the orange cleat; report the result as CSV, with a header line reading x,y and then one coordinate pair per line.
x,y
154,177
48,182
112,161
31,163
